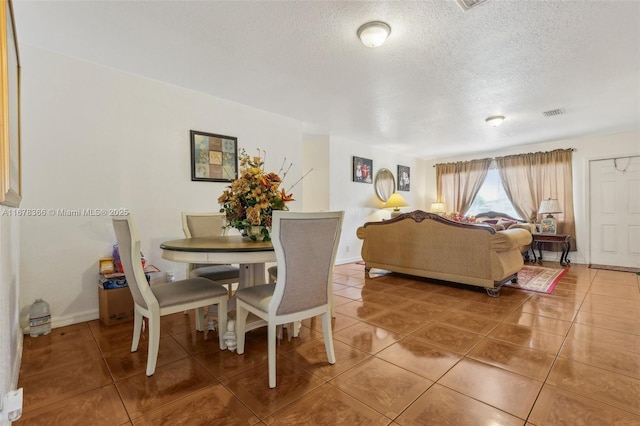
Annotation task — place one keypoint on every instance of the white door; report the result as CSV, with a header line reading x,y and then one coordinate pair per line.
x,y
615,212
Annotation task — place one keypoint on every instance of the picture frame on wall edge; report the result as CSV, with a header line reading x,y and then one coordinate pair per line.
x,y
362,170
214,158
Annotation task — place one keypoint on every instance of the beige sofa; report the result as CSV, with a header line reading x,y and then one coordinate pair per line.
x,y
430,246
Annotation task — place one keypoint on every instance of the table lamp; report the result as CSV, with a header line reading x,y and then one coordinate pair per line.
x,y
437,208
395,202
549,207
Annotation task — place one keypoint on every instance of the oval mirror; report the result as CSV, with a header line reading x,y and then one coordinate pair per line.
x,y
385,184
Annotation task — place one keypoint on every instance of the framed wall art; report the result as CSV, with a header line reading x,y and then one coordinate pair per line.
x,y
214,158
362,170
10,172
404,178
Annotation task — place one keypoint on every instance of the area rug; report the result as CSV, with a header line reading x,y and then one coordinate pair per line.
x,y
615,268
538,278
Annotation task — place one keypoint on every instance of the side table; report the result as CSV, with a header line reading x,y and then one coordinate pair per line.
x,y
563,239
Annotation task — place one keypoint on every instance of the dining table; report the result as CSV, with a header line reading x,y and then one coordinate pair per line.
x,y
251,256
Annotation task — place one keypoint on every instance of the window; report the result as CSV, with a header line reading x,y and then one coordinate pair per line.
x,y
492,197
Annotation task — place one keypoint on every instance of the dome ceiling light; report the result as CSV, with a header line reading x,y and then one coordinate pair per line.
x,y
374,34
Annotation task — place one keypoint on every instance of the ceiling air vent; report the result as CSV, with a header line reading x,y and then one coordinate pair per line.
x,y
553,112
468,4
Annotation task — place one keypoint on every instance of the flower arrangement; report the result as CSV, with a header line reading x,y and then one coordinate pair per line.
x,y
458,217
250,200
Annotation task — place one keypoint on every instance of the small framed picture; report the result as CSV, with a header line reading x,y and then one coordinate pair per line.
x,y
214,158
404,178
362,170
548,225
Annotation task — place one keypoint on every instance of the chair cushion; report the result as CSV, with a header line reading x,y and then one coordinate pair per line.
x,y
184,291
216,272
258,296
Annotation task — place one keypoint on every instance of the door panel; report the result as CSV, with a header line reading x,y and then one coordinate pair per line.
x,y
615,212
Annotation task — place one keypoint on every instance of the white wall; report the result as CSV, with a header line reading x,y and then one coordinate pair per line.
x,y
10,331
316,163
98,138
359,200
586,149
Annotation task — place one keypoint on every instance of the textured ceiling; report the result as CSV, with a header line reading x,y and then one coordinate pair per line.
x,y
426,92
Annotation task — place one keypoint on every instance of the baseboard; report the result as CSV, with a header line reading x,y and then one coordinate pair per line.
x,y
348,260
57,322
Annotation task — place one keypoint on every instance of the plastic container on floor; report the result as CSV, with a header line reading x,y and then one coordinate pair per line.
x,y
39,318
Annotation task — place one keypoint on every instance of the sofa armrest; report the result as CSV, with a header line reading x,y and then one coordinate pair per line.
x,y
509,238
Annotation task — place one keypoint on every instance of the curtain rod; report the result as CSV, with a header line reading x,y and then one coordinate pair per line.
x,y
528,153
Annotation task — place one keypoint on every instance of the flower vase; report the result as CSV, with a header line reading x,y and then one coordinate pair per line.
x,y
256,233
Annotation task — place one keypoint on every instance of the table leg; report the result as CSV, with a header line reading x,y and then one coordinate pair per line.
x,y
250,275
566,246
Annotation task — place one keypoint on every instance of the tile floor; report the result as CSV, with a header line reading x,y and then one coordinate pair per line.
x,y
408,352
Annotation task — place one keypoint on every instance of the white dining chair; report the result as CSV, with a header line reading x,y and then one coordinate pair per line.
x,y
208,224
152,302
305,246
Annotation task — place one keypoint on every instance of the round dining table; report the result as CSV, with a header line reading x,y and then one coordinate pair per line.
x,y
251,257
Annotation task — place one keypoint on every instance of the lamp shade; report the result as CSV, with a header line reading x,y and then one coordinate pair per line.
x,y
550,206
395,202
437,208
374,34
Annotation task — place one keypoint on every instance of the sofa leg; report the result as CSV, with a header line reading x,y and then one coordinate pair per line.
x,y
367,269
493,292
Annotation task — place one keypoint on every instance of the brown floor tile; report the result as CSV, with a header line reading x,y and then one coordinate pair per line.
x,y
170,382
420,357
425,311
518,359
86,374
65,345
311,409
211,405
444,301
479,324
380,384
354,293
226,364
366,337
606,338
603,309
539,322
252,386
480,381
547,310
359,310
312,356
397,321
611,388
609,322
559,407
442,335
100,407
615,360
528,337
442,406
615,302
57,384
337,323
126,363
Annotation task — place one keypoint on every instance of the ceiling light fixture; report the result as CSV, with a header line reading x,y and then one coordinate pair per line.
x,y
495,120
374,34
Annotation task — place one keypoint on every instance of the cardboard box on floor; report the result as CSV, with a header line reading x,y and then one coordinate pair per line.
x,y
116,305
